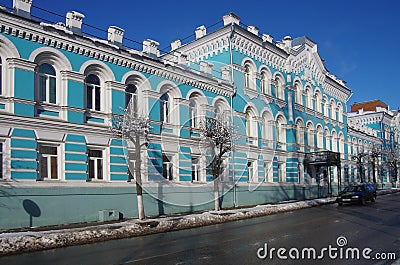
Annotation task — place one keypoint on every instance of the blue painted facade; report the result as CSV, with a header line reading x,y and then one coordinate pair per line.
x,y
279,95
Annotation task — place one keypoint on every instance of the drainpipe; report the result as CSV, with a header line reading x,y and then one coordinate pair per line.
x,y
231,98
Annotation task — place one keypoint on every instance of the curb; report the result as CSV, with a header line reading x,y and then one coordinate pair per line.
x,y
15,243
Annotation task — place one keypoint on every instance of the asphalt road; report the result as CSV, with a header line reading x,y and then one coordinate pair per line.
x,y
375,226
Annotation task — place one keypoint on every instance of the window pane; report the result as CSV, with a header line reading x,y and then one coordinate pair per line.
x,y
42,88
89,95
99,169
1,157
48,150
97,98
92,79
43,167
52,90
47,69
131,88
91,169
95,153
54,174
1,79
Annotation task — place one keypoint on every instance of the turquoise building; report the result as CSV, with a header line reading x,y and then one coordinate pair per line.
x,y
60,91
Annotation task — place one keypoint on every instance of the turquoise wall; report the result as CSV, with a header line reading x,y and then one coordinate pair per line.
x,y
52,205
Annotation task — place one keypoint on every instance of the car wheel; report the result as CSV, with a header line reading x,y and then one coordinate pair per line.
x,y
373,199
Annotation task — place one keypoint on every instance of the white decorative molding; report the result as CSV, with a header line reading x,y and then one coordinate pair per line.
x,y
251,93
74,76
21,64
280,103
104,52
268,99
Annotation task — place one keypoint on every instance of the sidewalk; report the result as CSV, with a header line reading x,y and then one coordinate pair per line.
x,y
19,242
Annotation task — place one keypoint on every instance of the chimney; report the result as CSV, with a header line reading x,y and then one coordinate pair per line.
x,y
150,47
175,45
200,32
22,8
74,22
253,29
287,40
231,18
115,35
206,67
267,38
181,58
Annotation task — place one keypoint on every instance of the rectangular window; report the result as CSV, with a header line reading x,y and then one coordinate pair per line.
x,y
1,160
1,77
167,169
42,88
89,97
97,98
95,167
251,170
267,171
48,165
281,172
195,168
52,92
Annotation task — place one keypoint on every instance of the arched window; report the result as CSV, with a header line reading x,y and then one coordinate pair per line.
x,y
1,76
340,113
248,82
318,99
299,97
264,83
279,90
300,134
308,98
193,112
320,137
280,130
47,84
251,124
131,97
164,108
334,142
327,139
326,104
310,135
93,92
268,127
333,110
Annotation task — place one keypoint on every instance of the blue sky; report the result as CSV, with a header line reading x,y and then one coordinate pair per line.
x,y
357,39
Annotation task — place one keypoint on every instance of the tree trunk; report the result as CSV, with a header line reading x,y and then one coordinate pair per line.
x,y
373,171
216,190
139,190
361,173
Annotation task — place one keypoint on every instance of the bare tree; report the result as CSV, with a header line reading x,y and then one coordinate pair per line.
x,y
135,128
359,158
219,136
373,156
392,159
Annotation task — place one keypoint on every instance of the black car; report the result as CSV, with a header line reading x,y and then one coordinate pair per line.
x,y
357,194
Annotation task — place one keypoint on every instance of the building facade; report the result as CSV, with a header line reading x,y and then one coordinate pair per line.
x,y
60,91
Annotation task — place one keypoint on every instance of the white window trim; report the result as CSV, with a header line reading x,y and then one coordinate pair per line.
x,y
48,77
6,163
105,171
60,160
